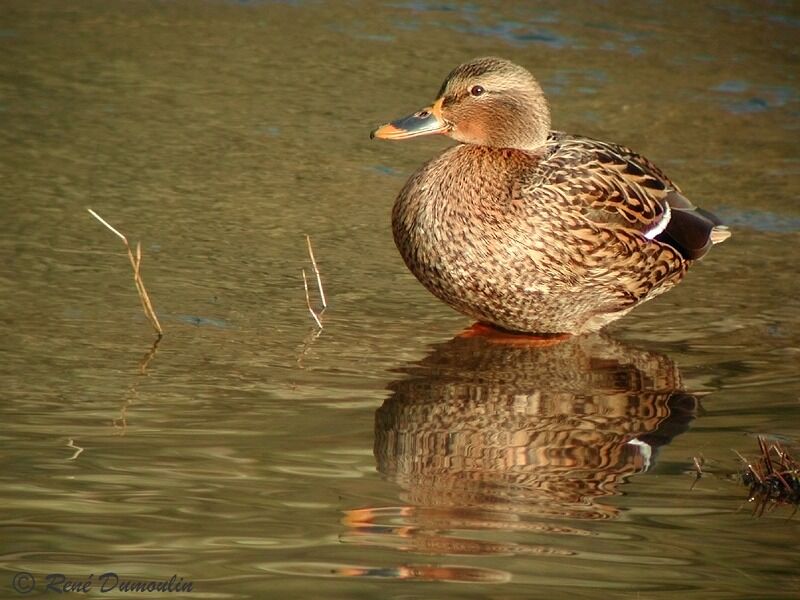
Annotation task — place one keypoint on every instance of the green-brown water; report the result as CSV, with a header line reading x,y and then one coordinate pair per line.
x,y
385,457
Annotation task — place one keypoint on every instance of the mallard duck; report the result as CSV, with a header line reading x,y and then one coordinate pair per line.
x,y
532,230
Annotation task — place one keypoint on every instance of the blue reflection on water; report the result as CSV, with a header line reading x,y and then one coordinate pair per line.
x,y
758,220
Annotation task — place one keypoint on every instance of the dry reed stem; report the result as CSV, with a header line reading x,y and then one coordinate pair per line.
x,y
133,394
136,262
148,356
316,315
308,301
316,272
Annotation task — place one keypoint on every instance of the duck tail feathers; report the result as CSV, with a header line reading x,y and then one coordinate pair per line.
x,y
720,233
692,232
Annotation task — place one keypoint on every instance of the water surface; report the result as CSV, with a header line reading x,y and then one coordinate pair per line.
x,y
387,456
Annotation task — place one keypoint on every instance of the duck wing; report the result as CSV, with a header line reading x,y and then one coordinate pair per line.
x,y
612,186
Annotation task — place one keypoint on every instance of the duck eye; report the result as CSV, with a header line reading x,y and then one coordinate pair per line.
x,y
476,90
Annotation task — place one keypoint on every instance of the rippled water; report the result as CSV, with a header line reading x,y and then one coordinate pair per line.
x,y
388,456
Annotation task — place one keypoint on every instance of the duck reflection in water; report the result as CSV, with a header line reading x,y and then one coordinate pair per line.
x,y
487,435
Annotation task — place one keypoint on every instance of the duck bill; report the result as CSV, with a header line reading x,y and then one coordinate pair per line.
x,y
427,121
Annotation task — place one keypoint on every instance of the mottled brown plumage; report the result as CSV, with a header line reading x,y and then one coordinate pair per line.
x,y
533,230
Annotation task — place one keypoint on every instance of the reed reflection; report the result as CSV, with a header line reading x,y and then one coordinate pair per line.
x,y
487,435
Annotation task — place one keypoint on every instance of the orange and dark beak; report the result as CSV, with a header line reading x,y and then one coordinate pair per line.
x,y
424,122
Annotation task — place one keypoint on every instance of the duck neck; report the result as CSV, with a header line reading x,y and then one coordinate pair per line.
x,y
530,125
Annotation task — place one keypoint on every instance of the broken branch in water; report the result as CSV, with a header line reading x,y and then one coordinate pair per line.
x,y
314,314
773,478
136,263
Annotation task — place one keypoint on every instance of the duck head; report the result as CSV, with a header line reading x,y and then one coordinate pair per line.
x,y
488,102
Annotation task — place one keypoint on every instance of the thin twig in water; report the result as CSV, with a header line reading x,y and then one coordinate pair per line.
x,y
314,314
136,263
698,464
308,301
316,272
